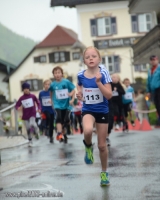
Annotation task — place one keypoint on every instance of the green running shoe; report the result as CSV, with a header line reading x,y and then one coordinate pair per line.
x,y
104,179
89,155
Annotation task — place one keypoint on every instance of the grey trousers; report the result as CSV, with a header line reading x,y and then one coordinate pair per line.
x,y
31,126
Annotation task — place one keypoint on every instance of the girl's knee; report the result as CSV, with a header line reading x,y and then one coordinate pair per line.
x,y
102,148
88,131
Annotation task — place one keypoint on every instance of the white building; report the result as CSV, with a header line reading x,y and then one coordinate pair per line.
x,y
57,49
108,26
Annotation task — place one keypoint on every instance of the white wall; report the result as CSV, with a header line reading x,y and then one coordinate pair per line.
x,y
124,30
42,70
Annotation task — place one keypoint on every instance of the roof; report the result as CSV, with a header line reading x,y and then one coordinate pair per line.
x,y
6,67
73,3
6,79
59,36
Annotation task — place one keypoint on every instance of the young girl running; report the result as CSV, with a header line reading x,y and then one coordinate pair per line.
x,y
62,94
95,89
29,101
46,105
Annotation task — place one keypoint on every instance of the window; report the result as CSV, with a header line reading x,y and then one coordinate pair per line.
x,y
141,68
35,84
93,23
141,23
58,57
76,56
103,26
112,63
40,59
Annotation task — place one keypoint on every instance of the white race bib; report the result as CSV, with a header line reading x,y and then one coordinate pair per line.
x,y
115,93
92,95
128,96
28,103
46,101
62,94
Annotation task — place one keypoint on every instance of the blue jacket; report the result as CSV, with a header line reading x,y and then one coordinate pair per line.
x,y
153,81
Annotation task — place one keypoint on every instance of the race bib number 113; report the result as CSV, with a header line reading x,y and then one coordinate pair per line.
x,y
92,95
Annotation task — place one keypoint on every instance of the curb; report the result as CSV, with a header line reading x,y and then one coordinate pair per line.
x,y
14,145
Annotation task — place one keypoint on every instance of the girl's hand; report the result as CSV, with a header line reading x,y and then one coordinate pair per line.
x,y
98,77
71,102
70,94
79,95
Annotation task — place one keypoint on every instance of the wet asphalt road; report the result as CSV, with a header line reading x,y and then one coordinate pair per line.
x,y
134,169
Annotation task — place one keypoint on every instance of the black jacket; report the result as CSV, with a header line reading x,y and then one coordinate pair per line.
x,y
117,96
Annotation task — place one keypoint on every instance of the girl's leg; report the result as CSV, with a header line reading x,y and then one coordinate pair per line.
x,y
51,121
27,125
88,122
103,151
32,123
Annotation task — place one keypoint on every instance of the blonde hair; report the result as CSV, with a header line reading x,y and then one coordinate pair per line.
x,y
47,80
91,47
119,79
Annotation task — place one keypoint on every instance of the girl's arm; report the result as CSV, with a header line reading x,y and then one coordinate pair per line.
x,y
38,104
51,94
18,104
72,94
121,89
105,89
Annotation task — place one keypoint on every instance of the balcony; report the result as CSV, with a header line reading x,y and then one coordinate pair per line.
x,y
144,6
147,46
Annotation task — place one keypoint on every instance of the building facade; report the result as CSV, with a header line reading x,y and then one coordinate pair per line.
x,y
150,43
57,49
108,26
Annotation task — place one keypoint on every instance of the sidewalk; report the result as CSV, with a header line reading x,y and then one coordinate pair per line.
x,y
12,141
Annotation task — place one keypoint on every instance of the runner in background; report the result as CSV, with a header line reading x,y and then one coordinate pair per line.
x,y
29,102
62,94
127,100
94,87
47,109
77,109
153,84
141,105
117,93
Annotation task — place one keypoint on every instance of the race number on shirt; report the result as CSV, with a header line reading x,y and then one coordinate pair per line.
x,y
28,103
92,95
46,102
62,94
128,96
115,93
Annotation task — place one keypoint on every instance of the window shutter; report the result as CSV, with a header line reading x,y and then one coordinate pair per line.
x,y
67,56
116,64
40,84
36,59
93,26
114,25
134,19
51,57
